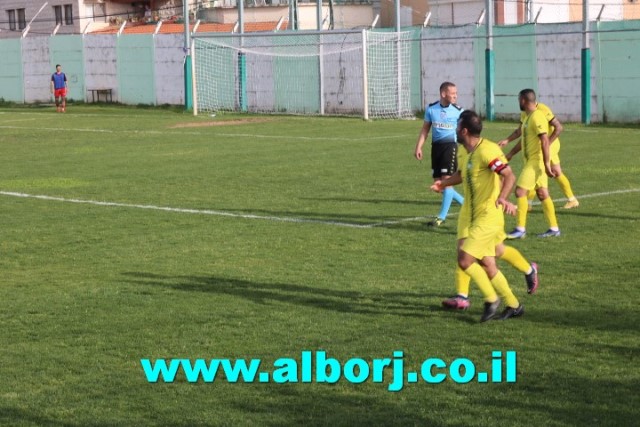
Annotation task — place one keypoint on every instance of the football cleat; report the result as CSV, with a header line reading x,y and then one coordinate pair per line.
x,y
574,203
516,234
436,222
550,233
510,312
532,279
457,302
490,310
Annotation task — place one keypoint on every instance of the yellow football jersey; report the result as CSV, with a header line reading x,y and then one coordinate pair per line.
x,y
481,179
532,126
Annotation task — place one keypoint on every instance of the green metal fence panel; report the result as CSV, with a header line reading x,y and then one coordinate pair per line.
x,y
416,69
516,66
618,59
68,51
11,77
136,80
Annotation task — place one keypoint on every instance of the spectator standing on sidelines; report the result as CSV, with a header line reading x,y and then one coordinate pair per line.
x,y
59,89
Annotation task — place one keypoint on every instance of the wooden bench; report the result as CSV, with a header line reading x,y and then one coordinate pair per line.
x,y
96,92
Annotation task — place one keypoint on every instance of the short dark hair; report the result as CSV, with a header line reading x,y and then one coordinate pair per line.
x,y
528,94
470,120
58,65
446,85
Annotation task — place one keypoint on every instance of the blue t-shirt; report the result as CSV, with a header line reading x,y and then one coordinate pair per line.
x,y
444,121
58,80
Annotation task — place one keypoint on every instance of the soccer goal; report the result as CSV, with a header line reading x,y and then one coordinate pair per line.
x,y
363,73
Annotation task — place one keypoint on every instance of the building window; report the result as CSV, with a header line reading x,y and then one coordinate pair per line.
x,y
12,19
68,14
22,20
58,12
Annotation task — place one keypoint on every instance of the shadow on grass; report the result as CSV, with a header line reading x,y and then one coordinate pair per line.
x,y
594,318
568,401
408,304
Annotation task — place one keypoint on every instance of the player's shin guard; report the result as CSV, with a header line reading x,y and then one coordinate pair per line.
x,y
565,186
501,285
479,276
462,282
515,258
521,217
549,212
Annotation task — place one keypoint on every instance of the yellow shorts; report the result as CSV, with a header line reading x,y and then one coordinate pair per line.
x,y
483,239
554,153
533,177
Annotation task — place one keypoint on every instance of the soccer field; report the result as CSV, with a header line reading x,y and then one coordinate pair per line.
x,y
132,234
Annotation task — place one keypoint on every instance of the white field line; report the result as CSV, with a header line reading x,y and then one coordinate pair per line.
x,y
260,217
190,132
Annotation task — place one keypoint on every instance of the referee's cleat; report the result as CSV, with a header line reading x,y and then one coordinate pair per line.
x,y
517,234
490,310
550,233
510,312
532,279
436,222
457,302
573,203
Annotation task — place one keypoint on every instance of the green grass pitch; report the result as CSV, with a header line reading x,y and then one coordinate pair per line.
x,y
284,234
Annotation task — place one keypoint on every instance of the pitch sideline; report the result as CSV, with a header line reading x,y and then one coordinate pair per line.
x,y
259,217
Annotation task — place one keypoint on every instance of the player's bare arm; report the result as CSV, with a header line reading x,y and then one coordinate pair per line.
x,y
515,150
514,135
507,183
557,129
439,185
426,127
544,141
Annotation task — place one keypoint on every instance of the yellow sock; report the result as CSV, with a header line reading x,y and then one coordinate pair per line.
x,y
482,280
501,285
462,282
515,258
549,212
523,206
565,186
531,194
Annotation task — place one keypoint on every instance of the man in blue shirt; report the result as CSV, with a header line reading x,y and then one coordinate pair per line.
x,y
59,89
442,116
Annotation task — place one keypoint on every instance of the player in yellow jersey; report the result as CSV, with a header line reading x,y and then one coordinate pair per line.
x,y
537,167
460,301
486,197
555,127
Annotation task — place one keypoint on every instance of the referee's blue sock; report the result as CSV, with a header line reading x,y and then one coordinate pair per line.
x,y
447,198
457,196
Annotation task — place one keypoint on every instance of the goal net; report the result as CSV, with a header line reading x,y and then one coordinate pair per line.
x,y
340,73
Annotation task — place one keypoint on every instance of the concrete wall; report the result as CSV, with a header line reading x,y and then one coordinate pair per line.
x,y
11,72
37,69
101,63
149,69
169,69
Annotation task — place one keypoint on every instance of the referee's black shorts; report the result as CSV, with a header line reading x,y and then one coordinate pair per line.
x,y
444,159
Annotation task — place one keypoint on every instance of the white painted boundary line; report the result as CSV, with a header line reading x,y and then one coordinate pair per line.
x,y
181,210
260,217
192,132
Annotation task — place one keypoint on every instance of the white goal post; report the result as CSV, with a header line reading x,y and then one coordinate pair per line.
x,y
363,73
